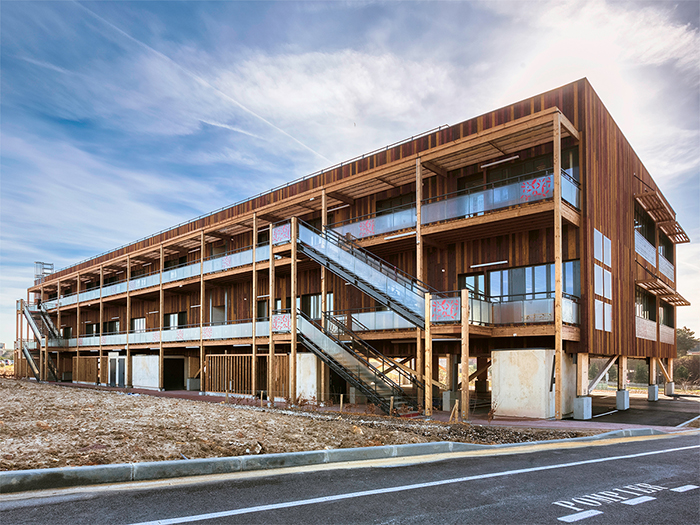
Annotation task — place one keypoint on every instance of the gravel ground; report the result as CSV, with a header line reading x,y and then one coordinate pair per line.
x,y
43,426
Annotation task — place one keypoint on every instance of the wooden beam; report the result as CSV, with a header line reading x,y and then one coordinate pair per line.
x,y
161,314
480,371
652,370
129,375
558,288
409,370
269,217
438,170
428,361
581,374
271,338
202,310
340,197
254,310
464,362
664,371
293,313
325,372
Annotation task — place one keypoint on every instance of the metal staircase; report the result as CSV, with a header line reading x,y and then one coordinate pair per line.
x,y
41,325
350,357
385,283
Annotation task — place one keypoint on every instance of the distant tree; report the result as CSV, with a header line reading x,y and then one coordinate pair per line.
x,y
686,340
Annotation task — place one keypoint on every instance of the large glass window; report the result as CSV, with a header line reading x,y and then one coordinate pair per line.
x,y
665,247
645,305
666,314
386,205
533,282
644,224
175,320
475,283
138,325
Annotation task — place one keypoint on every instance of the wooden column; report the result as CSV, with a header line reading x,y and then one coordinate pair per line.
x,y
161,351
419,259
293,313
77,316
581,375
323,387
101,321
43,355
622,372
58,308
558,289
464,362
271,339
254,309
670,368
129,380
652,370
201,314
428,360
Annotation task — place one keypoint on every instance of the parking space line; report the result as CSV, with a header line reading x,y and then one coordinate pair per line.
x,y
685,488
637,501
579,516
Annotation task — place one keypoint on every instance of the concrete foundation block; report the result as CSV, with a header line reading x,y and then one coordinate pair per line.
x,y
622,400
449,398
356,397
583,408
192,383
653,393
669,388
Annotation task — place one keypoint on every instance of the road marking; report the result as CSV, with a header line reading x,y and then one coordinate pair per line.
x,y
688,422
579,516
637,501
401,488
606,414
685,488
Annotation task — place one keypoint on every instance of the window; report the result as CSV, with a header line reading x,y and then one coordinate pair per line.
x,y
645,305
665,247
470,181
174,321
475,283
666,314
264,236
110,327
67,332
311,305
138,325
533,282
175,262
261,312
92,329
644,224
385,206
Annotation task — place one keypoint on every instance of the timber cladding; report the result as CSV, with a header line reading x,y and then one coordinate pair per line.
x,y
566,98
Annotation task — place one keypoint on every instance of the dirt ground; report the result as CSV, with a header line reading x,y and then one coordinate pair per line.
x,y
43,426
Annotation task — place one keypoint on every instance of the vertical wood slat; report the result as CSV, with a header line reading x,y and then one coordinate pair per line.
x,y
237,370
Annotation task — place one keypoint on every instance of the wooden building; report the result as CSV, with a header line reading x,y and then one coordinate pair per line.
x,y
531,238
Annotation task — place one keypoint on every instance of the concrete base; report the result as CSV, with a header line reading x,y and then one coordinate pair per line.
x,y
583,408
623,400
356,397
192,383
653,393
669,388
448,400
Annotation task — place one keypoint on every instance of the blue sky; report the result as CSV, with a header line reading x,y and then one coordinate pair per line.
x,y
120,119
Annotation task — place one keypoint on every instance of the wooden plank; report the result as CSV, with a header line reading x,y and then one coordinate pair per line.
x,y
558,288
464,364
582,374
161,311
325,373
293,313
253,309
271,339
428,359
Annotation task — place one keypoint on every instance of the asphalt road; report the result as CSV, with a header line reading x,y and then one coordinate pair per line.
x,y
651,480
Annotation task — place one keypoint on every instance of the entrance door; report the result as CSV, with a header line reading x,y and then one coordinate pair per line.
x,y
174,373
113,371
121,372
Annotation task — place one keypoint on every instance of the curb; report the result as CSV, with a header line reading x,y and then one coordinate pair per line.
x,y
54,478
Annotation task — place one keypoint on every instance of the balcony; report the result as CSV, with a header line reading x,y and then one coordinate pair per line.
x,y
528,188
667,334
645,329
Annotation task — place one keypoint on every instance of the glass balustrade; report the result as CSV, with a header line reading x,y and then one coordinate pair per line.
x,y
90,295
466,204
479,311
89,340
666,267
146,281
388,281
181,272
185,333
644,248
228,261
114,339
570,311
114,289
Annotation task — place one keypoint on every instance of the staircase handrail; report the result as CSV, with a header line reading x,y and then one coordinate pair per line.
x,y
371,259
30,360
373,353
